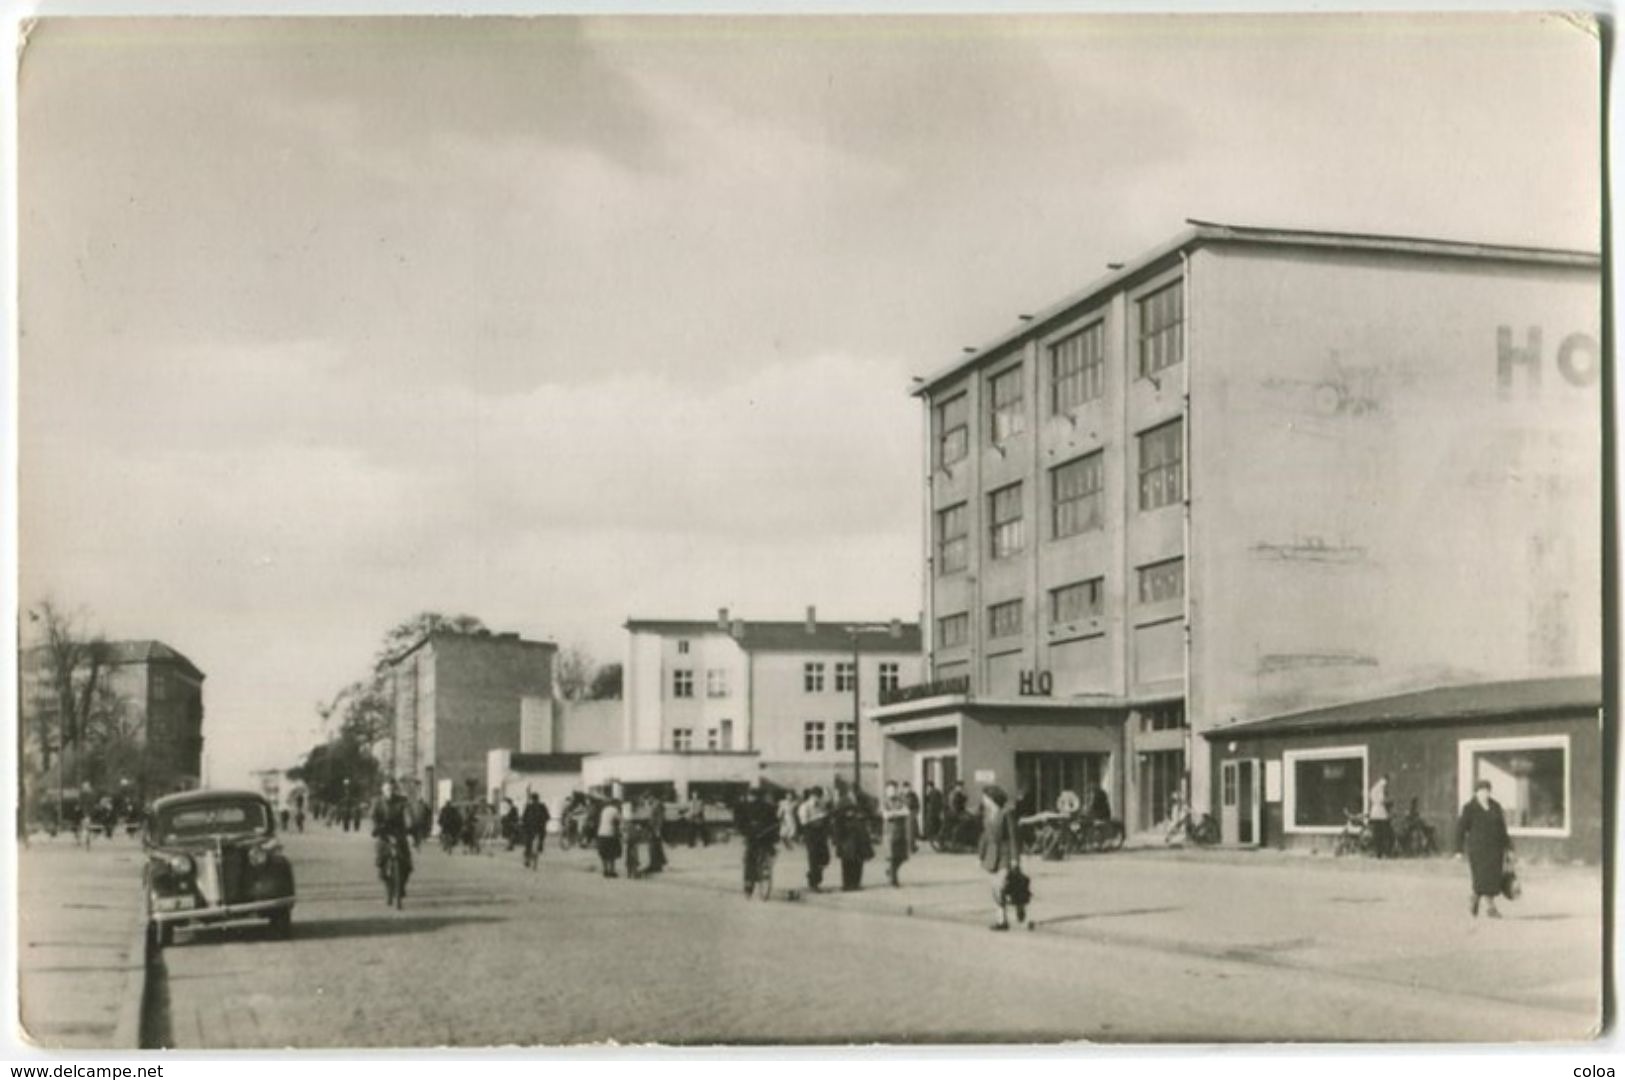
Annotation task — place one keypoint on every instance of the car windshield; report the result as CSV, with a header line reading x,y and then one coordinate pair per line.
x,y
209,819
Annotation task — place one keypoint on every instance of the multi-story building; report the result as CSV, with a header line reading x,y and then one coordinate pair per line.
x,y
460,696
729,700
1250,472
149,720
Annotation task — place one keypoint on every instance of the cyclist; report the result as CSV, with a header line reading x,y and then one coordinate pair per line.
x,y
392,824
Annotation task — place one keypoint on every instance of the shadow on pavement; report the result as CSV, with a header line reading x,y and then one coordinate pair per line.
x,y
1123,913
384,924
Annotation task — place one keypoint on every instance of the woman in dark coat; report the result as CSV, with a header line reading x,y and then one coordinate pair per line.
x,y
1482,834
849,828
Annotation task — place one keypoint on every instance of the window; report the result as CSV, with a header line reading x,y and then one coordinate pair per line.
x,y
953,630
1004,620
1529,777
1163,718
812,735
1005,506
1073,603
953,430
716,682
1162,581
682,648
846,676
953,539
812,678
889,674
846,735
682,738
1044,776
682,682
1078,493
1009,404
725,730
712,740
1162,465
1162,329
1323,787
1077,369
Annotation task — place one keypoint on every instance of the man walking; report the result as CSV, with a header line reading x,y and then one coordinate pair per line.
x,y
533,827
913,802
813,814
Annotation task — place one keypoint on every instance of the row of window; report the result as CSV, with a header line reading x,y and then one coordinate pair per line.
x,y
813,731
1077,499
1077,374
1071,603
812,679
720,737
1528,776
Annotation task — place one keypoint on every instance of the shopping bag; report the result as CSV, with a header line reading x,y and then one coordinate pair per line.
x,y
1511,886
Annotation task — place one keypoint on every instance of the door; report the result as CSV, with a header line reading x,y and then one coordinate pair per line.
x,y
940,769
1240,801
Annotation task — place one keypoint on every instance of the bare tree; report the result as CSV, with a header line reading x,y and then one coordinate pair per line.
x,y
75,669
573,670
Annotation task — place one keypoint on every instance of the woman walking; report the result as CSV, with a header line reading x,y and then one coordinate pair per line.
x,y
899,832
1482,834
998,850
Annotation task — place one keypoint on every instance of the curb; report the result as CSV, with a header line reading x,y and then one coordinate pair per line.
x,y
133,1008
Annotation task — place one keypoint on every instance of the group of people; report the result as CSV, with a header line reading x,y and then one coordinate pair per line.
x,y
630,830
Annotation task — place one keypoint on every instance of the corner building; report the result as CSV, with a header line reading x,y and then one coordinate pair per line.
x,y
1251,472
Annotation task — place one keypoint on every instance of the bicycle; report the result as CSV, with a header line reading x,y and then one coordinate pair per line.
x,y
1202,831
1357,837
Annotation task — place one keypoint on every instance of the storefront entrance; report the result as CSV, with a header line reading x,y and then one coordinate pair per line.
x,y
939,769
1162,776
1044,776
1240,798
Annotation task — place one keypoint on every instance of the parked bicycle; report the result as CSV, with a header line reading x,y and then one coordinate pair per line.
x,y
1202,831
1413,836
1357,837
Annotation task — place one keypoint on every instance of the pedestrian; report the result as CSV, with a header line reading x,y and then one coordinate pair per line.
x,y
510,823
1382,829
533,827
632,839
695,816
657,831
758,825
1482,834
608,836
932,810
284,815
813,816
789,825
958,804
422,822
913,802
451,826
999,852
899,831
849,829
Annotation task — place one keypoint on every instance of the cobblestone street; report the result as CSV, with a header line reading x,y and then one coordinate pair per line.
x,y
487,954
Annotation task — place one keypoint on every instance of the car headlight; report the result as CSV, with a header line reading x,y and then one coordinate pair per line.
x,y
260,854
180,864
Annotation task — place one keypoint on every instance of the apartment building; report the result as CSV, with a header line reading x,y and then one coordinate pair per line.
x,y
725,701
1251,472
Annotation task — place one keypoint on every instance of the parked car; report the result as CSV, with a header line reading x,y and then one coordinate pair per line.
x,y
213,856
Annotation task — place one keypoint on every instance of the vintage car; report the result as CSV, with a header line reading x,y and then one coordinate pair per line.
x,y
213,856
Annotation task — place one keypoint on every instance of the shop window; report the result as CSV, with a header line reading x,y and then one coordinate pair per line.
x,y
1042,778
1323,787
1529,777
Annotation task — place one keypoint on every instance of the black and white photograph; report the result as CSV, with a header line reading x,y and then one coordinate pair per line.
x,y
1070,529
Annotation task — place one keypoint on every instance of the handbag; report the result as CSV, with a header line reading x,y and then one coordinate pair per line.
x,y
1511,887
1018,888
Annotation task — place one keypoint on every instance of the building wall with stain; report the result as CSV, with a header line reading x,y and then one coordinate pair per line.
x,y
1395,475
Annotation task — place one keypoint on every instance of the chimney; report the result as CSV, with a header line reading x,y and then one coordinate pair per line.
x,y
812,619
722,618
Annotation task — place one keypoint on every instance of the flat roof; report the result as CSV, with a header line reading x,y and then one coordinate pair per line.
x,y
1208,232
786,636
1473,701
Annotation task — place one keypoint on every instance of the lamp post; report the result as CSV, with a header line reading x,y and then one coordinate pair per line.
x,y
855,632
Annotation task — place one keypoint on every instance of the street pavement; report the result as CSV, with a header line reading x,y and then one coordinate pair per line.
x,y
80,959
1128,947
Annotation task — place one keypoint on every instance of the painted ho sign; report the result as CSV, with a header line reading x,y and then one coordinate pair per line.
x,y
1037,684
1579,359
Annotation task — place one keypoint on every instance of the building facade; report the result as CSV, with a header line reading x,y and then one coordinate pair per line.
x,y
148,723
1251,472
460,696
1291,781
788,695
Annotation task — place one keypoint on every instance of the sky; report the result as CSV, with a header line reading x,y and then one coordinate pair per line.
x,y
561,321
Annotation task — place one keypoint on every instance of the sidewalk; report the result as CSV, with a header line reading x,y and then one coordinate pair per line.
x,y
81,952
1399,922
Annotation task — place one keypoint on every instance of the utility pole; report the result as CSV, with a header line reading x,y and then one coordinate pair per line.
x,y
855,632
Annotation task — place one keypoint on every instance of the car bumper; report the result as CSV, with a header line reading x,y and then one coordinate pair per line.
x,y
223,911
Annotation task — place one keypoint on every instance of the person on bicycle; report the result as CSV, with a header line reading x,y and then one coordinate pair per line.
x,y
758,824
392,824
